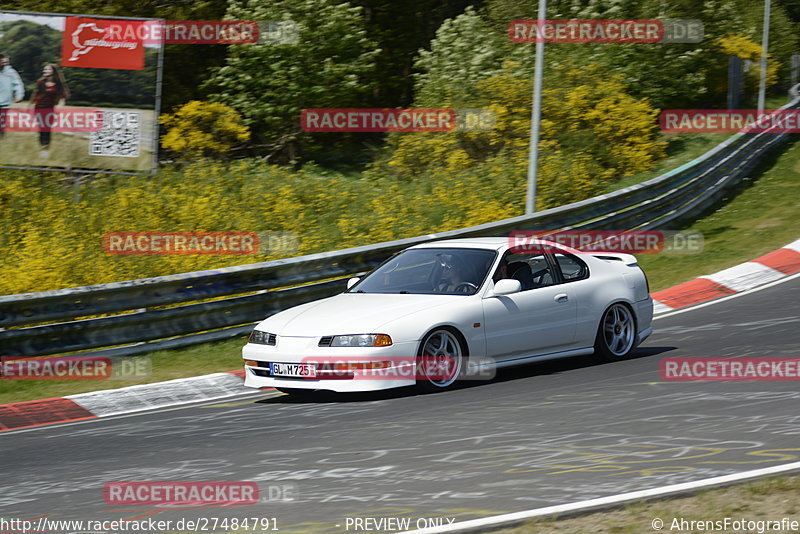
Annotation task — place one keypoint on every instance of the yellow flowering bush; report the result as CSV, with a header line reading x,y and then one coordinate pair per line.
x,y
50,241
592,133
203,129
744,47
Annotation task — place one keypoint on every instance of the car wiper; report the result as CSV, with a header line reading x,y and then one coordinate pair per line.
x,y
404,292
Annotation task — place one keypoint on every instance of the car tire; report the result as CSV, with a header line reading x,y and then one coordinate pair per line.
x,y
616,333
441,360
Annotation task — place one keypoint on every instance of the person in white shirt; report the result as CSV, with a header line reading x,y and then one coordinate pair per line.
x,y
11,89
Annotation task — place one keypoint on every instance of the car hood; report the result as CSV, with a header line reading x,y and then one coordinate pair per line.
x,y
351,313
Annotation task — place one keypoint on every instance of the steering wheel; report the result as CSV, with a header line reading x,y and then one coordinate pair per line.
x,y
467,286
540,273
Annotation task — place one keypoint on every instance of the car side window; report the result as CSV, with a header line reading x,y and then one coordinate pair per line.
x,y
532,270
572,268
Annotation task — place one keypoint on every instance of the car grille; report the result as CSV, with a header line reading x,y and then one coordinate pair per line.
x,y
326,341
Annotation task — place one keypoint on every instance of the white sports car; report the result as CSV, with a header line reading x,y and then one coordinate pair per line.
x,y
445,311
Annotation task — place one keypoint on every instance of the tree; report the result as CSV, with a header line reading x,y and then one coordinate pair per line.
x,y
670,75
792,8
30,46
400,29
464,52
271,83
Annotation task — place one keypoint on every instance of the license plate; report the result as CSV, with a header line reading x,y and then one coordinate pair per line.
x,y
296,370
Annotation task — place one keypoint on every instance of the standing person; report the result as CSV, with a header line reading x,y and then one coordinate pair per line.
x,y
11,89
51,91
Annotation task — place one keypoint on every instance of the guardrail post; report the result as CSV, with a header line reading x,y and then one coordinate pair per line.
x,y
734,81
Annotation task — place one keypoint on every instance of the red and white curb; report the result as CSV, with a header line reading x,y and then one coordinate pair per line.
x,y
768,268
106,403
119,401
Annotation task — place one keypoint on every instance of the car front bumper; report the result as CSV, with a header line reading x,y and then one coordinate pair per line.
x,y
397,358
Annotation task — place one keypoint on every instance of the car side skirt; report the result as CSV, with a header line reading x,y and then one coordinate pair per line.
x,y
544,357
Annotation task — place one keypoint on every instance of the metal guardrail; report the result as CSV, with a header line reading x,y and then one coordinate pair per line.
x,y
653,204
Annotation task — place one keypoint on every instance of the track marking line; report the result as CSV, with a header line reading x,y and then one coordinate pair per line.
x,y
604,503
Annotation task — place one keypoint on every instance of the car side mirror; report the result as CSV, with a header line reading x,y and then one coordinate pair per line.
x,y
353,281
507,286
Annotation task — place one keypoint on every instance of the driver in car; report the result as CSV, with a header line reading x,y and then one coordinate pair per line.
x,y
502,270
454,276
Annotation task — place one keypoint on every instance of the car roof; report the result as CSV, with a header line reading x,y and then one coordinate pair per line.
x,y
489,243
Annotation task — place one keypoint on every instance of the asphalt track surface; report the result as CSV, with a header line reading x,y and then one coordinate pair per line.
x,y
539,435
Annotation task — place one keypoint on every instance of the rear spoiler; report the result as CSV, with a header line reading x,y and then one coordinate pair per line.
x,y
627,259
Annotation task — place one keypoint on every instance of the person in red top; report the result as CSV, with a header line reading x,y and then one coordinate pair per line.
x,y
51,91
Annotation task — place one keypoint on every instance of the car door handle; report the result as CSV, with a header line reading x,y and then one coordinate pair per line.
x,y
561,297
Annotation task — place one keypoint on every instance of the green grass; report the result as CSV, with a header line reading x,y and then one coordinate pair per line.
x,y
759,216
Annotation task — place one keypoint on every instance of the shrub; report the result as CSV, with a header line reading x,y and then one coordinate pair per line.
x,y
208,129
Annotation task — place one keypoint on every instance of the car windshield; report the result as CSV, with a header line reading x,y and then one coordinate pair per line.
x,y
449,271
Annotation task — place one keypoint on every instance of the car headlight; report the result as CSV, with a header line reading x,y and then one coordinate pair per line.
x,y
262,338
362,340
